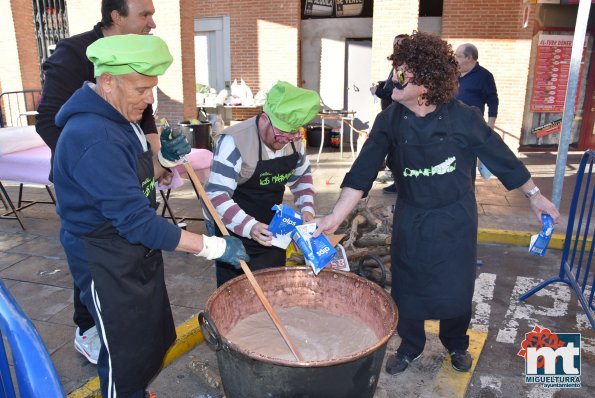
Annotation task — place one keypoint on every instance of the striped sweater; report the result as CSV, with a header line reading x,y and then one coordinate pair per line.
x,y
234,161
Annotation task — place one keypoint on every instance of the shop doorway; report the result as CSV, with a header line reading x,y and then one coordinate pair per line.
x,y
357,81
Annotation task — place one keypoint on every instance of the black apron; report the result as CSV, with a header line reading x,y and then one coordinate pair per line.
x,y
134,307
256,197
434,238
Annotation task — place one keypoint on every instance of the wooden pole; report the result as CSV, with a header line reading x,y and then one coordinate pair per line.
x,y
249,275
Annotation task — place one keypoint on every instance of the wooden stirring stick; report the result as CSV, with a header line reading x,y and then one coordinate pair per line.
x,y
243,264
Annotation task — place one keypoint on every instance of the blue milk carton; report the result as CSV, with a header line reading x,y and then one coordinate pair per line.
x,y
540,241
283,224
318,251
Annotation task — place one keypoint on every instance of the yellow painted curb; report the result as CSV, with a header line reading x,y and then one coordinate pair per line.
x,y
449,382
89,390
189,334
516,238
188,337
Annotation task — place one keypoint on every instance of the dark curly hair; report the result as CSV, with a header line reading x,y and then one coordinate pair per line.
x,y
433,64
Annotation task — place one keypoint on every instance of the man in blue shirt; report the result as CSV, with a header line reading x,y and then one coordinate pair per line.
x,y
477,87
104,176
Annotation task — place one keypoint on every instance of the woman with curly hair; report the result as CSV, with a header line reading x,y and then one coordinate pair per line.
x,y
435,141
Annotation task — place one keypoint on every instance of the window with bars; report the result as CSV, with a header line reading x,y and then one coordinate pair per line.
x,y
51,25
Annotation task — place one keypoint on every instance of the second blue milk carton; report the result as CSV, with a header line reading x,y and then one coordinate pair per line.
x,y
283,224
540,242
318,251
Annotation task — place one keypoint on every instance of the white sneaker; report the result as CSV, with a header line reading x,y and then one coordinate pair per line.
x,y
88,344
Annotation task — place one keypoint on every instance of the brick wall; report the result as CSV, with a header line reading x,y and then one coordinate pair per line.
x,y
391,17
265,44
241,113
22,13
9,71
21,70
504,49
264,38
176,89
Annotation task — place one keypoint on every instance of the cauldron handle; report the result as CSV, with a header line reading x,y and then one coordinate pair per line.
x,y
209,331
360,268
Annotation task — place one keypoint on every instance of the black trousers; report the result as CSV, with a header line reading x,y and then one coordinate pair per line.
x,y
261,257
453,334
82,317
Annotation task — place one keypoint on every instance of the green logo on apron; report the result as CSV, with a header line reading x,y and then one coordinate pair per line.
x,y
448,166
147,186
267,178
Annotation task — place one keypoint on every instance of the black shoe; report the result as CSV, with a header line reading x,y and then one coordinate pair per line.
x,y
461,360
391,189
398,362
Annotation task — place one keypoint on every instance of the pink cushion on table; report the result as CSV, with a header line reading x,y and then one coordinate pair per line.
x,y
198,158
27,166
175,182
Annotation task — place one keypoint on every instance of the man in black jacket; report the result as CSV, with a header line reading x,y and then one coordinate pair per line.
x,y
65,72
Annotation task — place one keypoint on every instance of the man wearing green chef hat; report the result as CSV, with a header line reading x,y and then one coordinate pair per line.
x,y
104,176
253,162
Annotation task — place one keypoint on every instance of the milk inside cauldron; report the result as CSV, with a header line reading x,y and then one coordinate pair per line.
x,y
350,300
317,335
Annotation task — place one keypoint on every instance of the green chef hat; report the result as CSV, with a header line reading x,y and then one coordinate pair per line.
x,y
122,54
291,107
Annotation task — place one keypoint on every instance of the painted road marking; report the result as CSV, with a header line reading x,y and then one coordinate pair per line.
x,y
482,297
494,384
584,326
539,392
449,382
522,310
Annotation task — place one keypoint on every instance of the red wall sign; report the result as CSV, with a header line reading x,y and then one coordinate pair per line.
x,y
552,67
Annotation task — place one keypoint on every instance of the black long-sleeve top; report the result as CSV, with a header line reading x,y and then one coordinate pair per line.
x,y
65,72
467,128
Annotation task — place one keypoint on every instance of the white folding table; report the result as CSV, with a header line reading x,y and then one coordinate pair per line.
x,y
342,116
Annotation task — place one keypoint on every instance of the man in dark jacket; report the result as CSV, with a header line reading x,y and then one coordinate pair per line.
x,y
112,237
477,88
65,72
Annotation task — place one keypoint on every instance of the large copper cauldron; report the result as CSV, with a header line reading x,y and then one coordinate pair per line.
x,y
253,375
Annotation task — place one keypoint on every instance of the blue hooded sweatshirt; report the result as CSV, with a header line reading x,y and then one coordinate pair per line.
x,y
95,177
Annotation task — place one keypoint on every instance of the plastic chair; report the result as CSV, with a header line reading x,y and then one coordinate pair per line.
x,y
34,371
14,105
